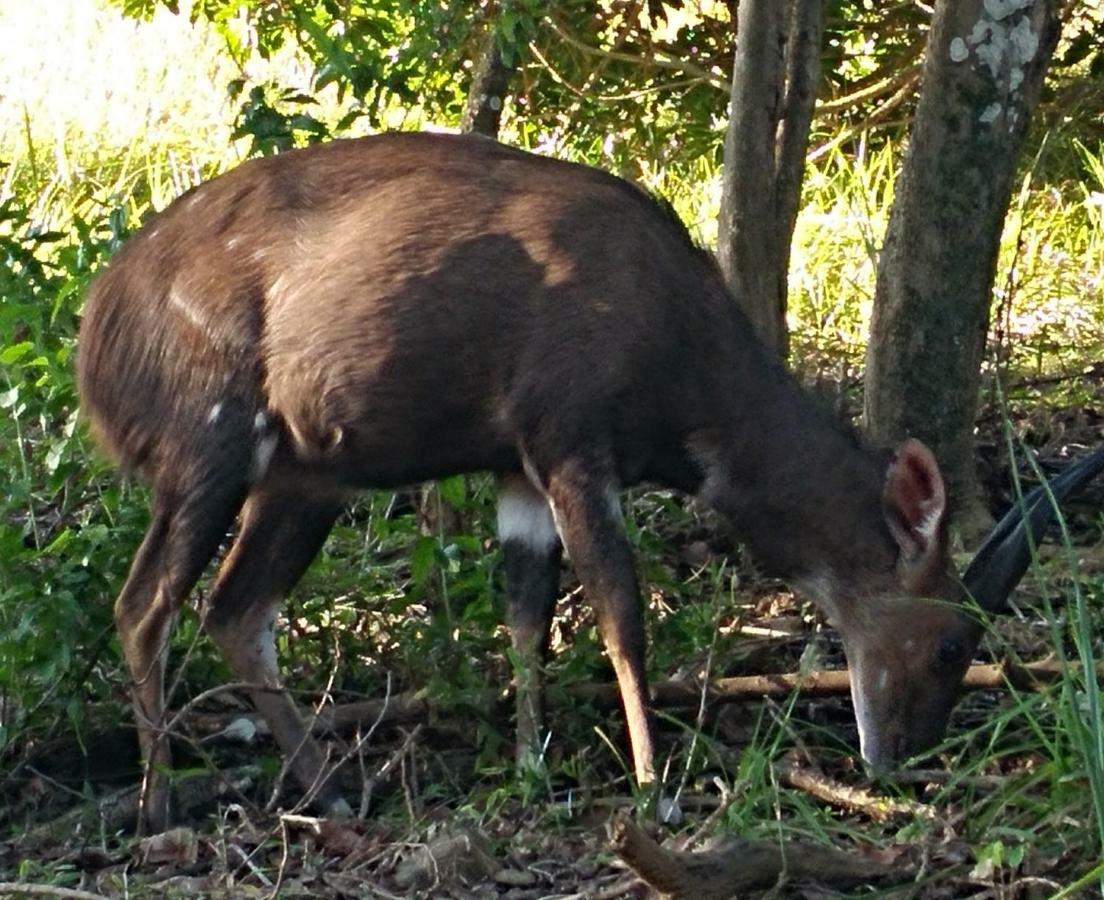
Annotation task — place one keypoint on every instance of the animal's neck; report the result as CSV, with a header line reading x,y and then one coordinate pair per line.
x,y
798,488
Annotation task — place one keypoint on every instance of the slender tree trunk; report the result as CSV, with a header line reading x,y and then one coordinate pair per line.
x,y
483,108
982,76
775,74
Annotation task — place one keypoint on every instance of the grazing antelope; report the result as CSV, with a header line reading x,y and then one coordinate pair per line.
x,y
376,312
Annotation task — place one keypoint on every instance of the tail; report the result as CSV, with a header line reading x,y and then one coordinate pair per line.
x,y
160,378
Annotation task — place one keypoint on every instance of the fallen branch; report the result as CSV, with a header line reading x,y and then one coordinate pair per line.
x,y
738,865
23,889
846,797
415,705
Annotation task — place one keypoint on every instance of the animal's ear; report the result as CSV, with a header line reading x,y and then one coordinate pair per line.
x,y
915,502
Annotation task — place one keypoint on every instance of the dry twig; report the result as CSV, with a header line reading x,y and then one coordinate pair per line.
x,y
18,888
680,694
856,799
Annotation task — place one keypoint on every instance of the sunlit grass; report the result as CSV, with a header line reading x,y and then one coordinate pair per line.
x,y
98,110
107,112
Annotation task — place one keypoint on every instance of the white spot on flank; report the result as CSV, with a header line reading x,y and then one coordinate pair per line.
x,y
279,285
213,415
525,516
262,456
189,312
959,50
260,422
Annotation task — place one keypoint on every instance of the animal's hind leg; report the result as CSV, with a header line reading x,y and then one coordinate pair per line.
x,y
183,536
531,550
280,535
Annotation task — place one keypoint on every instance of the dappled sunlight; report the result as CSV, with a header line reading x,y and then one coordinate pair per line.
x,y
92,101
106,80
1048,296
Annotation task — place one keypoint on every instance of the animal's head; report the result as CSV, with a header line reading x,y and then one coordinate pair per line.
x,y
910,639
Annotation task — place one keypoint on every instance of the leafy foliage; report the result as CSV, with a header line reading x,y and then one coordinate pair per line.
x,y
58,527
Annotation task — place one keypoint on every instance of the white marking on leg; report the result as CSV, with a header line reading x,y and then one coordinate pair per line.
x,y
260,422
525,516
266,645
213,415
262,456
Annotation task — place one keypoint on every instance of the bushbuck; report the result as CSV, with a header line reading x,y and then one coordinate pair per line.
x,y
375,312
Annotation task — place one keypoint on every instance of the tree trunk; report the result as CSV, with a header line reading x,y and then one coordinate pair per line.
x,y
483,107
982,76
774,81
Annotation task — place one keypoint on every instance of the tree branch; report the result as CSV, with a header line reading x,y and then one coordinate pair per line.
x,y
659,62
673,694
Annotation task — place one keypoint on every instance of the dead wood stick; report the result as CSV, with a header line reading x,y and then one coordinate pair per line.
x,y
738,865
841,795
21,889
415,705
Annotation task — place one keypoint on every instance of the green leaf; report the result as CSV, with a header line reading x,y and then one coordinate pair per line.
x,y
422,558
454,490
55,455
15,352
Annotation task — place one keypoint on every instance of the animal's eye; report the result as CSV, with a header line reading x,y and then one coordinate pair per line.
x,y
949,652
